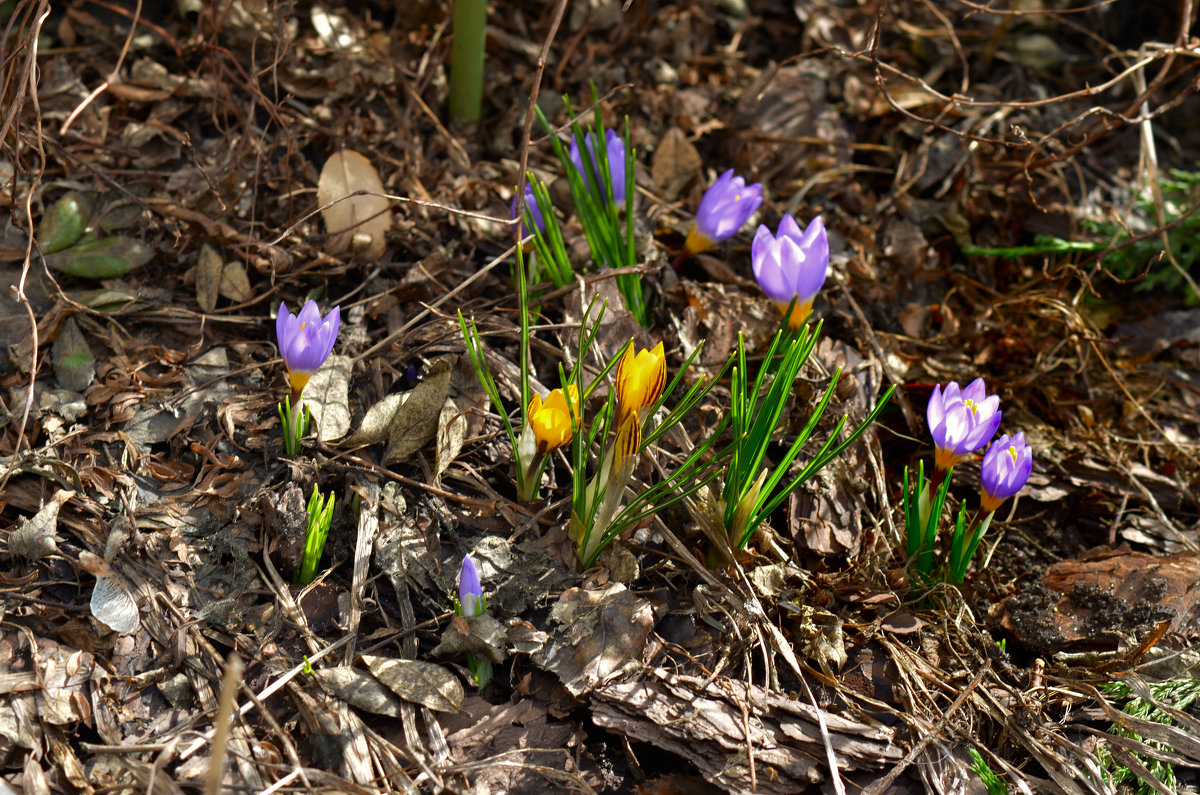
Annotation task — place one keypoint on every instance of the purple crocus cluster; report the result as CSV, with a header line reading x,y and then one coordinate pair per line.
x,y
962,421
305,340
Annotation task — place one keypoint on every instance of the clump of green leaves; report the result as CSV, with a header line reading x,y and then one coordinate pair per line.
x,y
995,785
605,210
626,425
1177,694
754,489
1180,192
320,516
295,420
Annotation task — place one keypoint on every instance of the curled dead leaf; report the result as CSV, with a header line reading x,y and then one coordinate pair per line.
x,y
421,683
357,224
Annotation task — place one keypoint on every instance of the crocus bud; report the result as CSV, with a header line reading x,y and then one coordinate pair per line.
x,y
550,419
791,265
615,150
629,441
640,379
1005,470
305,340
532,211
961,421
470,592
726,207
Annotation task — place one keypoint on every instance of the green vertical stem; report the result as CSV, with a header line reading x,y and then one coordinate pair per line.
x,y
466,60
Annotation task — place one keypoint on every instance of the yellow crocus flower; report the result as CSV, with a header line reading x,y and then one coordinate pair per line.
x,y
640,379
550,419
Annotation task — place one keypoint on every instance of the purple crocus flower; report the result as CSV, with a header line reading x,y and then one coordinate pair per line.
x,y
305,340
615,150
1006,467
470,592
726,207
532,208
791,264
961,421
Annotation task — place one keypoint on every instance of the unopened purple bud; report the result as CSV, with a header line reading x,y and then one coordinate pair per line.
x,y
615,150
726,207
531,208
791,264
961,421
470,592
305,340
1005,470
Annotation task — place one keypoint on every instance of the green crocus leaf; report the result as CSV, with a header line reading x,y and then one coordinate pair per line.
x,y
106,258
65,223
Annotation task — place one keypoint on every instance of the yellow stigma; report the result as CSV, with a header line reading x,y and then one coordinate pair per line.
x,y
971,405
1013,452
640,379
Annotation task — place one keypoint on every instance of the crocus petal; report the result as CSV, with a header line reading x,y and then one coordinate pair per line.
x,y
810,276
310,314
935,411
815,242
975,391
726,206
281,322
982,431
532,210
765,259
956,428
789,228
1005,470
790,265
640,379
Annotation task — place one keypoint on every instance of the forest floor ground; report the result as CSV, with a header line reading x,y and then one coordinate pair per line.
x,y
1010,194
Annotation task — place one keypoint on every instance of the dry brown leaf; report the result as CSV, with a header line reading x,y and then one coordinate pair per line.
x,y
209,268
356,224
675,162
74,364
328,395
375,423
359,689
451,431
421,683
34,539
597,634
235,284
416,421
113,606
710,720
481,635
